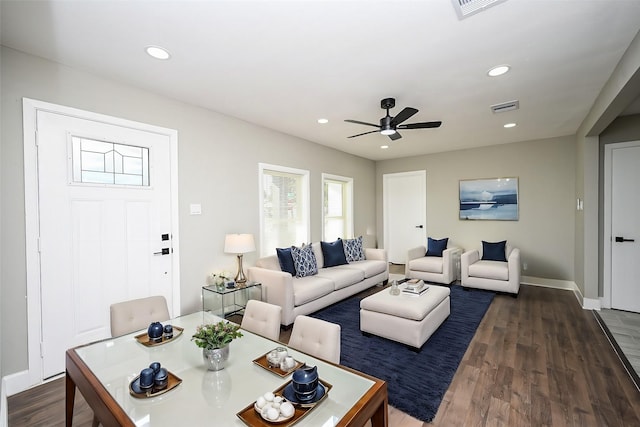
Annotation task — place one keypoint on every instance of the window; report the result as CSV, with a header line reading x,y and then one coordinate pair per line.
x,y
101,162
284,215
337,207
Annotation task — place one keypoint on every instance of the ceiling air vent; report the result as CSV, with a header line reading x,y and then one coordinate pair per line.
x,y
505,106
465,8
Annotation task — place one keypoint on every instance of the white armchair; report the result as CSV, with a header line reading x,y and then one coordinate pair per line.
x,y
493,275
432,268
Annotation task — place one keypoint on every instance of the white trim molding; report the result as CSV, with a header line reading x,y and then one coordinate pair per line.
x,y
567,285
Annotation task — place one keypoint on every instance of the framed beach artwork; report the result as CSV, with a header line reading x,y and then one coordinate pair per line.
x,y
489,199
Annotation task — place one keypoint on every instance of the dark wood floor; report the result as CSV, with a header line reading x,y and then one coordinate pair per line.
x,y
536,360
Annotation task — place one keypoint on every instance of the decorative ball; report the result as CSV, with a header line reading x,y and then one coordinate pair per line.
x,y
273,414
268,396
260,402
286,409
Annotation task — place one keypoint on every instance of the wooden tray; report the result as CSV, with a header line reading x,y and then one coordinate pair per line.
x,y
262,362
144,338
253,419
172,382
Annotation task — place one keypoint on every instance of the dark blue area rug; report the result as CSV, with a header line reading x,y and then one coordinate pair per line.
x,y
416,381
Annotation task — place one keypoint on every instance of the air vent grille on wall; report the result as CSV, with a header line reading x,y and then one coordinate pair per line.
x,y
505,106
465,8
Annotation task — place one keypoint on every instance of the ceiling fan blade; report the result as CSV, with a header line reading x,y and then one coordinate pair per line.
x,y
358,122
403,115
395,136
423,125
365,133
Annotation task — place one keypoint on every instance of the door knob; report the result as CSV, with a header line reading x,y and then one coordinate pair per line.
x,y
622,239
164,251
419,226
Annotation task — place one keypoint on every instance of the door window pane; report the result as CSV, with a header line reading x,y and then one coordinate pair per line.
x,y
101,162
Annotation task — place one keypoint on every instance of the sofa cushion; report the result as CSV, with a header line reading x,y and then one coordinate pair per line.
x,y
342,276
269,262
353,249
306,289
304,261
285,259
333,253
428,264
370,267
494,251
317,251
435,247
496,270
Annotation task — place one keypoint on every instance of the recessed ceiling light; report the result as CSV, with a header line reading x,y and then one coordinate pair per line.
x,y
510,125
158,52
384,147
323,121
498,71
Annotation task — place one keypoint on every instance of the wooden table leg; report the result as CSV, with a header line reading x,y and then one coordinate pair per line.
x,y
380,417
70,397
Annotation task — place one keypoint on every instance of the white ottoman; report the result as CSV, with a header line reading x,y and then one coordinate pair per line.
x,y
407,319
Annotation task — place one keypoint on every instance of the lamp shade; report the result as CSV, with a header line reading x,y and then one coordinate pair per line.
x,y
239,243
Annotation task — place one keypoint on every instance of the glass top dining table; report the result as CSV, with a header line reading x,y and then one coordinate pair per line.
x,y
103,370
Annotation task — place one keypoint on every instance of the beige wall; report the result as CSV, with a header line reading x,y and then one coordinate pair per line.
x,y
218,168
545,229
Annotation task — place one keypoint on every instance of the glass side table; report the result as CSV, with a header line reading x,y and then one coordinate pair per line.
x,y
228,301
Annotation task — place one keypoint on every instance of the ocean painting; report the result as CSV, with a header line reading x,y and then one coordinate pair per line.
x,y
492,199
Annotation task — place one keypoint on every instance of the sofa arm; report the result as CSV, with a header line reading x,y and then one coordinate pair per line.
x,y
514,270
466,259
413,253
277,288
449,267
374,253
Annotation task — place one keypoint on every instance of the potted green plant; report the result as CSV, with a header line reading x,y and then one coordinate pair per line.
x,y
214,339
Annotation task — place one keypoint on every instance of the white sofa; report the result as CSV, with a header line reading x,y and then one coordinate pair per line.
x,y
493,275
432,268
305,295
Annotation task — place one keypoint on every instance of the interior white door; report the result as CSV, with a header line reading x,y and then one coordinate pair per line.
x,y
104,206
404,206
625,229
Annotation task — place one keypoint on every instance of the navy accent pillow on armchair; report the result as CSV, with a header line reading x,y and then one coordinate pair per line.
x,y
333,253
494,251
286,260
436,247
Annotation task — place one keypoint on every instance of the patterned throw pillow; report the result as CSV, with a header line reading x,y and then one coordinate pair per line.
x,y
304,261
353,249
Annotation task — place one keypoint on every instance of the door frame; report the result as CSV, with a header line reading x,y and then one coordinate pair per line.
x,y
422,174
606,232
30,108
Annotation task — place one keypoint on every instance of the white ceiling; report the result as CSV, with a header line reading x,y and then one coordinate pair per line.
x,y
284,64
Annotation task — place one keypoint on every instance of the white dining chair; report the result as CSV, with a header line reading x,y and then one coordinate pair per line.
x,y
316,337
137,314
262,318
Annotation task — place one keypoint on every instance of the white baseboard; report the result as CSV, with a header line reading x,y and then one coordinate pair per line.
x,y
15,383
585,303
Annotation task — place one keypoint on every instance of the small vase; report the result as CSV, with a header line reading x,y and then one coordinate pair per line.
x,y
215,358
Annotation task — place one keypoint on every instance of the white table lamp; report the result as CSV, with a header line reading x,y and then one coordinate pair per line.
x,y
239,244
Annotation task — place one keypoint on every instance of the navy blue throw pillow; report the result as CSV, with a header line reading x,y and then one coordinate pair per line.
x,y
333,253
286,260
494,251
436,247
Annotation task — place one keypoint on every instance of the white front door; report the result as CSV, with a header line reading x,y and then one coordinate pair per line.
x,y
105,204
625,228
404,206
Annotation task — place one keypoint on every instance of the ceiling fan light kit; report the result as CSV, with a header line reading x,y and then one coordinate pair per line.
x,y
389,125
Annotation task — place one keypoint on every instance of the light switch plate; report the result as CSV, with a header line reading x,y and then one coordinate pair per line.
x,y
195,209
